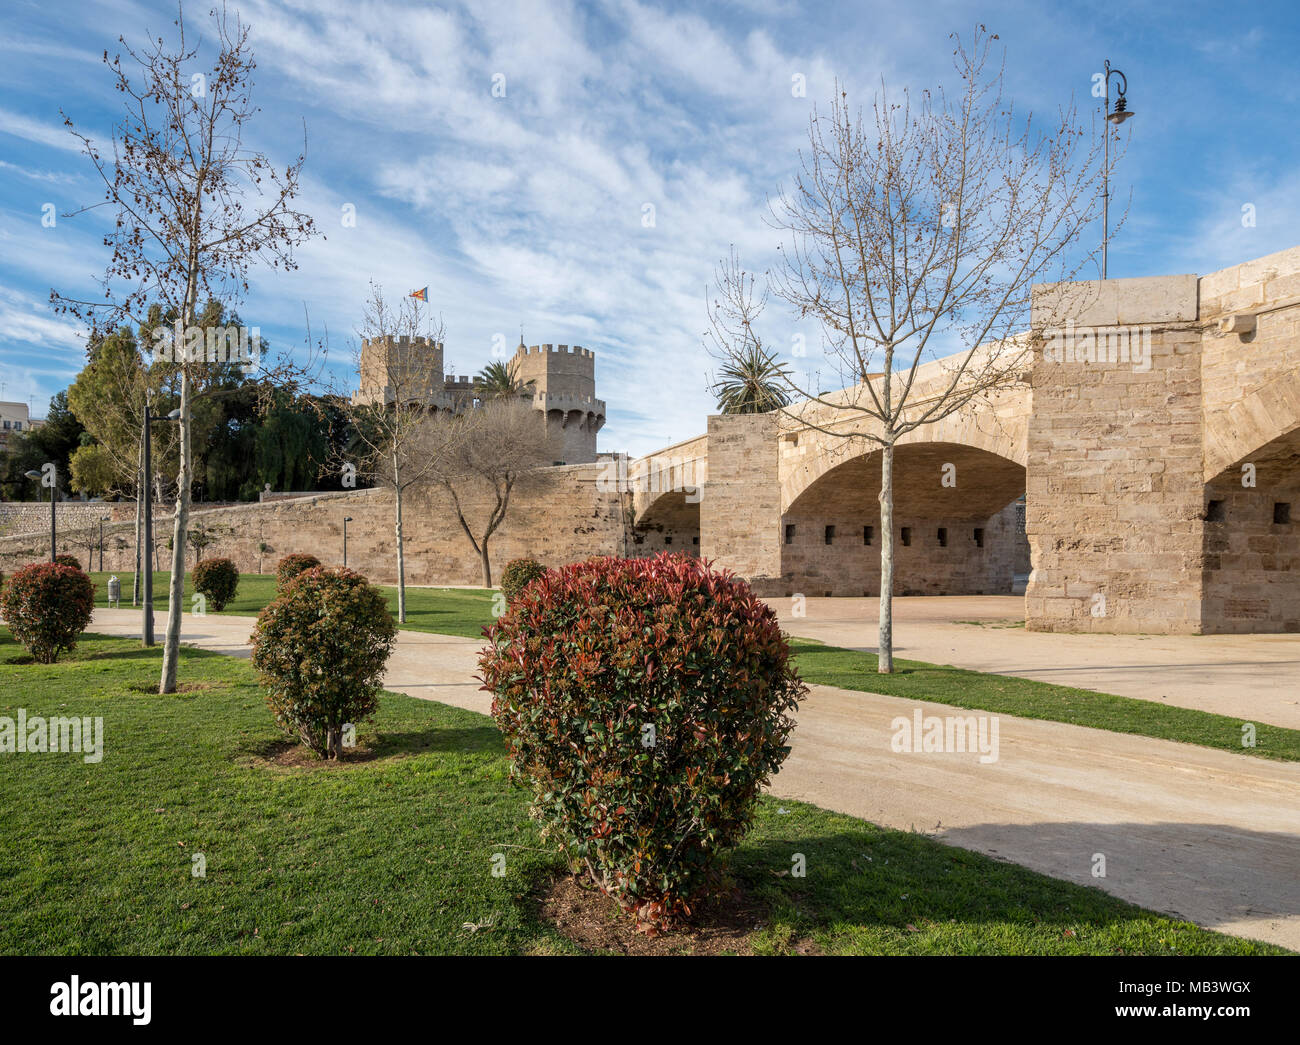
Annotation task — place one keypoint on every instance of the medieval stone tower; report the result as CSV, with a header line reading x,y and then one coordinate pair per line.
x,y
561,385
402,369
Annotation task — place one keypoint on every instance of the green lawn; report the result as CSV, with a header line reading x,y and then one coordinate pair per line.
x,y
1026,698
447,611
464,611
393,855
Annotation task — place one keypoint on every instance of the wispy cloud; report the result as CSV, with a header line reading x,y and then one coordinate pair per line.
x,y
577,168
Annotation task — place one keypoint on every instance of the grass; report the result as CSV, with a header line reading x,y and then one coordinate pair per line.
x,y
464,612
447,611
1027,698
393,855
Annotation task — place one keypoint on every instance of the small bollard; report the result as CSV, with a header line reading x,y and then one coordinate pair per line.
x,y
114,591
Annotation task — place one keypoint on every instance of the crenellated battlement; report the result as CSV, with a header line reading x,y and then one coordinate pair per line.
x,y
562,379
577,350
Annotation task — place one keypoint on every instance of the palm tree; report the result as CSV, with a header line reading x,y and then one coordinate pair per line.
x,y
750,382
500,380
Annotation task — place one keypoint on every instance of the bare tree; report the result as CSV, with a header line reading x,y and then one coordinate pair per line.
x,y
393,443
480,458
195,209
922,227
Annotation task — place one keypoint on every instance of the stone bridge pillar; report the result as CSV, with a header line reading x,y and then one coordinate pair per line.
x,y
740,507
1114,489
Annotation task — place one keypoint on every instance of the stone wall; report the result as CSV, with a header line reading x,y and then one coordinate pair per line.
x,y
559,517
977,557
1250,380
1114,491
1252,551
740,513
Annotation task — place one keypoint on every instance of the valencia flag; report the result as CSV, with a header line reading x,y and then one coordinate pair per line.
x,y
420,295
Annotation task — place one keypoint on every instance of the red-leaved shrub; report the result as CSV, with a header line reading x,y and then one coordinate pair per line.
x,y
290,566
47,605
321,649
645,703
216,580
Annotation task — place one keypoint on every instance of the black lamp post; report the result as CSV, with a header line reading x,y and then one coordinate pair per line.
x,y
54,485
1116,117
346,519
102,519
146,624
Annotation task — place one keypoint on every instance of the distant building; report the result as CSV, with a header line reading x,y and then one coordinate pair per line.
x,y
14,417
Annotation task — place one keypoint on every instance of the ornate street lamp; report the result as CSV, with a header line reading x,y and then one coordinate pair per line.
x,y
1116,117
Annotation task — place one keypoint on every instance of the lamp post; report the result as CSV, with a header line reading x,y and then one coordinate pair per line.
x,y
346,519
1118,116
102,519
54,485
146,623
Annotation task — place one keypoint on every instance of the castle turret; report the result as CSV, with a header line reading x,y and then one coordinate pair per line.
x,y
564,390
561,380
405,369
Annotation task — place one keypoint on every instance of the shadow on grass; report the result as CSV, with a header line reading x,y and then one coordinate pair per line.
x,y
471,740
913,883
284,752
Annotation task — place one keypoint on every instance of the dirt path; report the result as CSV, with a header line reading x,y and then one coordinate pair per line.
x,y
1251,677
1207,835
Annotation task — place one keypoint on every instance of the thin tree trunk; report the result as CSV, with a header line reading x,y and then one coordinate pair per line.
x,y
401,552
487,565
176,589
885,644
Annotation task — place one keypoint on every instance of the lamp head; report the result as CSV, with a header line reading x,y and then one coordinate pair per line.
x,y
1121,112
175,415
32,473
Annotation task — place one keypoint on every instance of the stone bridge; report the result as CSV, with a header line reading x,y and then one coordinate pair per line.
x,y
1140,466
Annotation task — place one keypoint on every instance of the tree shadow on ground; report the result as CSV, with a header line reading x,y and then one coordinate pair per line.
x,y
384,746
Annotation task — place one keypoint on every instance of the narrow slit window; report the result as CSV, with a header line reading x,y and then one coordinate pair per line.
x,y
942,536
979,537
789,533
906,534
1214,512
830,535
1281,513
868,532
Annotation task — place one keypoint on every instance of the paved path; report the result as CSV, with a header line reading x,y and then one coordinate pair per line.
x,y
1207,835
1251,677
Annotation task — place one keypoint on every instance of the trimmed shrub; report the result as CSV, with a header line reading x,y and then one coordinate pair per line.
x,y
290,566
321,648
517,575
47,605
645,703
216,580
64,559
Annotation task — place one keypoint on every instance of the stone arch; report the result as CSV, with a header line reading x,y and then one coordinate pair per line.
x,y
961,539
667,521
1234,432
1250,580
809,455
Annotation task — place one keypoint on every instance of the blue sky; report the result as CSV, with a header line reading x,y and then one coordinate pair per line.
x,y
527,209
